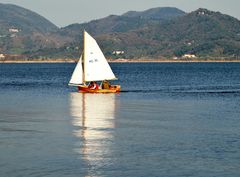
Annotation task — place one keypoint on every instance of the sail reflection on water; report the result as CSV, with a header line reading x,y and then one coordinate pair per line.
x,y
93,118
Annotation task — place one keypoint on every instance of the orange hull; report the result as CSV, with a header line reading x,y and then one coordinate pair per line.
x,y
112,89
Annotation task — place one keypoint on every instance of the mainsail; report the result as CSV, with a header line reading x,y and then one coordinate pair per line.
x,y
96,67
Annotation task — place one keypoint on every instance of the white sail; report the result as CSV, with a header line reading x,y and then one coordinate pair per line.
x,y
96,67
77,76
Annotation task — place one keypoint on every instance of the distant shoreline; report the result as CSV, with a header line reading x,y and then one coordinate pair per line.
x,y
40,61
125,61
170,61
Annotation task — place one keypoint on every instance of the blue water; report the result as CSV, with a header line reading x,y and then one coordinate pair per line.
x,y
172,119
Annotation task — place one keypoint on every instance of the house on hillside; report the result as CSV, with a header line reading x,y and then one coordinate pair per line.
x,y
189,56
13,30
118,52
2,56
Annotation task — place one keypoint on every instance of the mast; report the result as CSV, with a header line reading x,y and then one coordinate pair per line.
x,y
84,61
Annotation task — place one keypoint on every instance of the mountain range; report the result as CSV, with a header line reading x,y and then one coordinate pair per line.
x,y
165,32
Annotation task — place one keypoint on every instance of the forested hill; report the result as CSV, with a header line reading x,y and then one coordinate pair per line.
x,y
128,21
203,33
154,33
159,13
12,16
23,31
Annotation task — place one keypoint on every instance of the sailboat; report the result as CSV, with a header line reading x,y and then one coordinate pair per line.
x,y
92,67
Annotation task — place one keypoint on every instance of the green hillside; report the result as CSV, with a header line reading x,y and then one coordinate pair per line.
x,y
12,16
22,31
159,13
154,33
203,33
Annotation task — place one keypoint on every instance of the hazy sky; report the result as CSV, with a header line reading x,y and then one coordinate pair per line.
x,y
65,12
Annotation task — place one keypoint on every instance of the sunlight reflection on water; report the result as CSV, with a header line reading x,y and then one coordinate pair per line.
x,y
93,118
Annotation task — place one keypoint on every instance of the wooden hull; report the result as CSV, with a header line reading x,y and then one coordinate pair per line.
x,y
112,89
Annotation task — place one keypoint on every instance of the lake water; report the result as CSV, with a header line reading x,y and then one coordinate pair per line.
x,y
172,119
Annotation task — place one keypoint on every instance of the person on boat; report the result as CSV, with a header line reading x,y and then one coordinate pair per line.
x,y
93,86
105,84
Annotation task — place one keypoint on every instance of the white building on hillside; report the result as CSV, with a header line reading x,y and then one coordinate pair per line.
x,y
2,56
118,52
13,30
189,56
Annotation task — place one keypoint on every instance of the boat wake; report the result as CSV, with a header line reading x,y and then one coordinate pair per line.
x,y
184,91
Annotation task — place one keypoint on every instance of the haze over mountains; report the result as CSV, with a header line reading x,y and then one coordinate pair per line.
x,y
154,33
